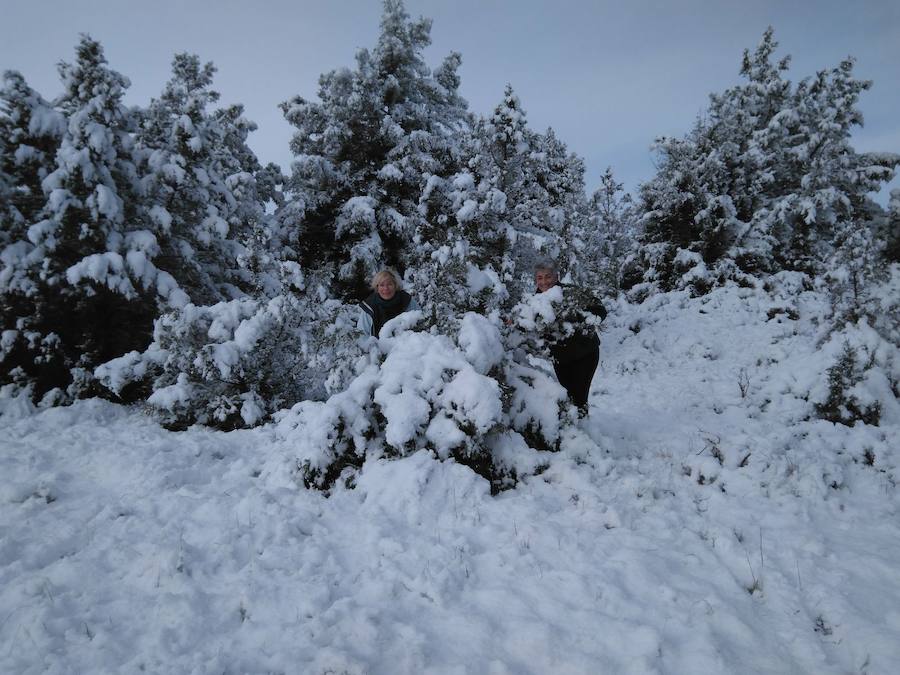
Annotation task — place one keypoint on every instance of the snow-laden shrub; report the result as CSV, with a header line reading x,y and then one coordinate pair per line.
x,y
543,319
847,402
234,363
459,397
538,322
855,375
884,305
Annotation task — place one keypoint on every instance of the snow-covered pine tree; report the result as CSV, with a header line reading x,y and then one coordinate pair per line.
x,y
365,151
505,161
458,263
30,132
765,180
854,267
93,287
560,174
234,363
520,197
892,228
845,403
199,183
676,236
240,349
831,196
612,233
530,188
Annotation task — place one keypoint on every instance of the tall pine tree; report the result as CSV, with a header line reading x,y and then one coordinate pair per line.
x,y
365,151
87,299
30,132
201,198
612,233
767,180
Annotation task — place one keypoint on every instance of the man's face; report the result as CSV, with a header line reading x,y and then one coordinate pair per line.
x,y
545,280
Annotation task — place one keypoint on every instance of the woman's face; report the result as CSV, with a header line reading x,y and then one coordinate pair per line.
x,y
386,288
545,280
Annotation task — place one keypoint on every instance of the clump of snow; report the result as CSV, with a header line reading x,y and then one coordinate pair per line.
x,y
161,217
118,273
358,210
538,309
390,172
174,395
480,340
467,211
478,279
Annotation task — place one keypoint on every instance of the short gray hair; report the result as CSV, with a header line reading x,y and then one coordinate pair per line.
x,y
546,265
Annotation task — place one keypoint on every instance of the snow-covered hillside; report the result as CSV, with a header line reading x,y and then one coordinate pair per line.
x,y
702,522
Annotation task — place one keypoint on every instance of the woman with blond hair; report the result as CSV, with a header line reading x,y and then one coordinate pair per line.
x,y
385,302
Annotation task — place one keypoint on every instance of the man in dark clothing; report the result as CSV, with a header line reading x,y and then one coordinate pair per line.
x,y
574,345
386,302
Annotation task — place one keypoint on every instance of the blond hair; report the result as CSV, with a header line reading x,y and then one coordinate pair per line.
x,y
384,275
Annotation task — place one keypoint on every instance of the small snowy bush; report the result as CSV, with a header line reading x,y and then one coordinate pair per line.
x,y
418,390
882,306
234,363
459,397
846,403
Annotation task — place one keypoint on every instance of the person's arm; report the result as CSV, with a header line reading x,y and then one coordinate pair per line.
x,y
596,308
585,308
588,303
364,322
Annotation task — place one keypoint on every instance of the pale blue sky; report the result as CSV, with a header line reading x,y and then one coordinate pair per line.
x,y
609,77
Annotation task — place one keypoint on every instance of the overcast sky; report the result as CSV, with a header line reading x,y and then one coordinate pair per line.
x,y
608,76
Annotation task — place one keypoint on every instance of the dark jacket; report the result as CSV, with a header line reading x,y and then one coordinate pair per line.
x,y
576,305
381,311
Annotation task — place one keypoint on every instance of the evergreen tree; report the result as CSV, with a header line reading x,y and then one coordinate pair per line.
x,y
843,405
560,174
532,188
87,298
892,229
612,234
519,198
767,180
200,192
30,131
365,151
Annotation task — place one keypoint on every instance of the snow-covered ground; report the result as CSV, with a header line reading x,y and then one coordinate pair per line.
x,y
702,524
